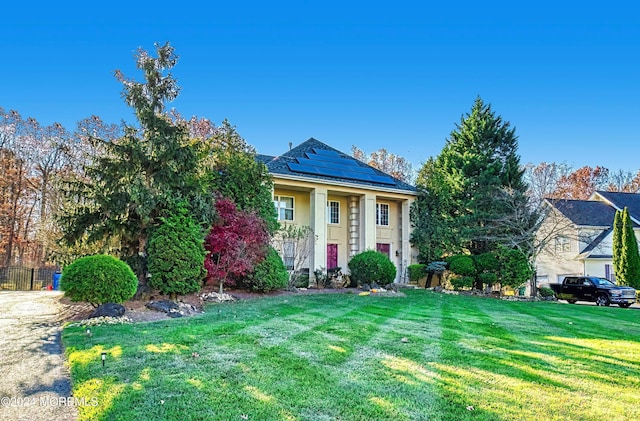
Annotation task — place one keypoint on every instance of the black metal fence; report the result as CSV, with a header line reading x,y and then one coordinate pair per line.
x,y
18,278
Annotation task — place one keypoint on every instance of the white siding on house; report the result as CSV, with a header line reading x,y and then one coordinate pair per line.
x,y
596,267
556,260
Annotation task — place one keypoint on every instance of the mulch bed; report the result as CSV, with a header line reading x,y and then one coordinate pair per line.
x,y
137,312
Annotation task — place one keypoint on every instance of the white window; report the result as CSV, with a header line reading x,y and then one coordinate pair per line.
x,y
382,214
284,207
562,244
333,212
289,254
542,279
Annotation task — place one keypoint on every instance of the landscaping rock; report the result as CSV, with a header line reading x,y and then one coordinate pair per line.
x,y
366,287
374,285
186,309
216,297
108,310
166,306
392,287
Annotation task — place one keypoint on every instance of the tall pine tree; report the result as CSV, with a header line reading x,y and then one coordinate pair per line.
x,y
137,177
471,192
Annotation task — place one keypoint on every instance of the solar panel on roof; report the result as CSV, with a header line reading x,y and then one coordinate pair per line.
x,y
304,169
335,165
335,159
325,152
382,179
343,173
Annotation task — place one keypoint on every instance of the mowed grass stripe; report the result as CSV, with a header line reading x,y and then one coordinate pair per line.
x,y
501,372
309,362
330,357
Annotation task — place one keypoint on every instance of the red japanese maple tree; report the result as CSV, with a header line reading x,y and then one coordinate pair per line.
x,y
237,242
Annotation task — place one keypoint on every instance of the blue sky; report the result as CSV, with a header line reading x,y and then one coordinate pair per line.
x,y
397,75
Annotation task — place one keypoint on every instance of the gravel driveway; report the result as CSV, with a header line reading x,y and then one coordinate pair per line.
x,y
34,381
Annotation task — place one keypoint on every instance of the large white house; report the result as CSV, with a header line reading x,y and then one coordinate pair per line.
x,y
349,205
580,236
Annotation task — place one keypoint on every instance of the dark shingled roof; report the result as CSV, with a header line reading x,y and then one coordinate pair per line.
x,y
586,212
264,158
278,165
622,200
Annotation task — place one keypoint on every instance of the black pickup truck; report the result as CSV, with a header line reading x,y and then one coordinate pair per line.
x,y
590,288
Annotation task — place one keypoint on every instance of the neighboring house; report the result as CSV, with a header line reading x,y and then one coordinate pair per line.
x,y
580,236
349,205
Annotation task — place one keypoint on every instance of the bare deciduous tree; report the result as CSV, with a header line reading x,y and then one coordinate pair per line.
x,y
394,165
542,180
624,181
294,243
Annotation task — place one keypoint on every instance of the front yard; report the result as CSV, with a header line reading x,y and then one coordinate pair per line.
x,y
425,356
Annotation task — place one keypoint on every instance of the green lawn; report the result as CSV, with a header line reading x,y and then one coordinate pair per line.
x,y
425,356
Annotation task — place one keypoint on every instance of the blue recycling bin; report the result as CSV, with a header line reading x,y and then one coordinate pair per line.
x,y
56,280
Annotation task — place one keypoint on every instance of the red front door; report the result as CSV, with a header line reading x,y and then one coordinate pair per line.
x,y
332,256
384,248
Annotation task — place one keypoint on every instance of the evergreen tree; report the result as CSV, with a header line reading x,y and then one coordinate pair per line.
x,y
629,272
435,234
472,194
617,244
235,174
176,254
136,177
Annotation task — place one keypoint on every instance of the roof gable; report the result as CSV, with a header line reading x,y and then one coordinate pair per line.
x,y
590,213
313,159
619,200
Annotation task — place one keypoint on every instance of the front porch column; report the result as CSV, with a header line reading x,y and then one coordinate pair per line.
x,y
368,222
318,208
354,226
405,243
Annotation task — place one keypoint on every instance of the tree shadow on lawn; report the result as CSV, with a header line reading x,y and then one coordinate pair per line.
x,y
570,364
332,362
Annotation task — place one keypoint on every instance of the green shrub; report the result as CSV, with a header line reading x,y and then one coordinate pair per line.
x,y
488,278
416,272
487,267
301,281
98,279
372,266
461,282
299,278
462,264
269,274
176,255
546,292
515,267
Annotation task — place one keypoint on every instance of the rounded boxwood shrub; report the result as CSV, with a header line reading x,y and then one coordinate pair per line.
x,y
98,279
269,274
176,255
462,264
372,266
